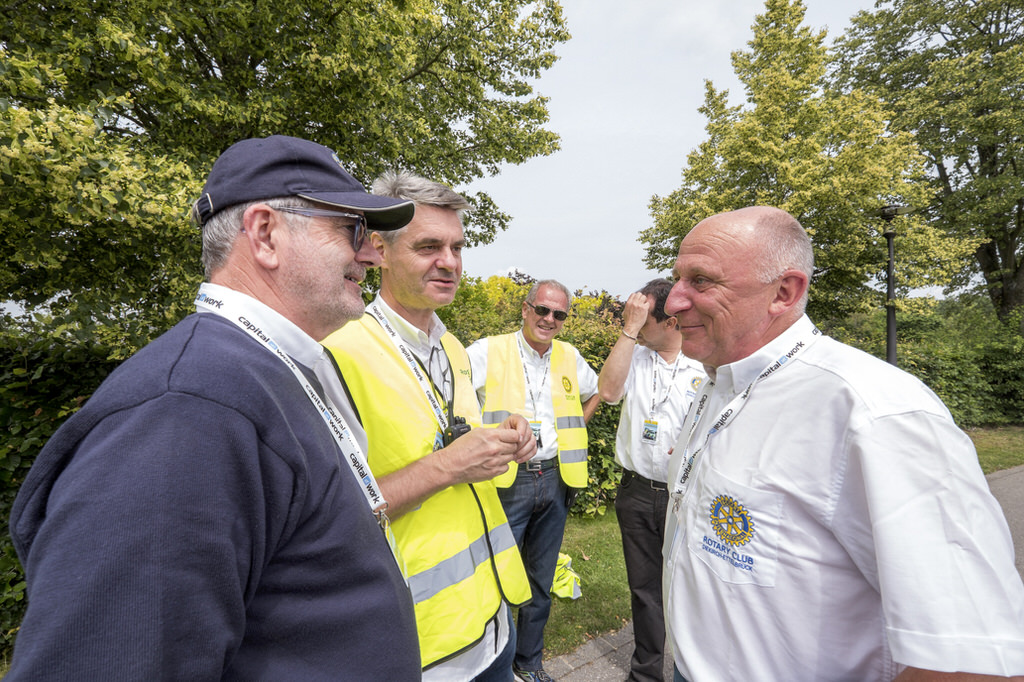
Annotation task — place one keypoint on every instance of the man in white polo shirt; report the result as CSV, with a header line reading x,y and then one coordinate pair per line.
x,y
828,520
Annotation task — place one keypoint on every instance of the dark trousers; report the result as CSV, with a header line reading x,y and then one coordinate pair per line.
x,y
536,509
641,509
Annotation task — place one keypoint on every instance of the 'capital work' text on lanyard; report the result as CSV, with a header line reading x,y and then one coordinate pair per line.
x,y
728,415
414,365
324,406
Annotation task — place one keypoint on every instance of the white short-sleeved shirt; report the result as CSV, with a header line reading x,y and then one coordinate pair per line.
x,y
656,396
838,527
538,377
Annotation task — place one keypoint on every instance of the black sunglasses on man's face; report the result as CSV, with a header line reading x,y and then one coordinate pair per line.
x,y
543,311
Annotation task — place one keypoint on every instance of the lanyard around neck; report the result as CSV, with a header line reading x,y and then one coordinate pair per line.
x,y
655,403
340,431
728,415
426,385
526,374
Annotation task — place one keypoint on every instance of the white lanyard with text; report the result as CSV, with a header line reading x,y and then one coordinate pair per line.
x,y
339,429
731,410
526,373
425,384
668,388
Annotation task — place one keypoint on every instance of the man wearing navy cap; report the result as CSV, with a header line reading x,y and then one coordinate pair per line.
x,y
209,514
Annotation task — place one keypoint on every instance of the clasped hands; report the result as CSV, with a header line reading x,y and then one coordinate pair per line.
x,y
484,453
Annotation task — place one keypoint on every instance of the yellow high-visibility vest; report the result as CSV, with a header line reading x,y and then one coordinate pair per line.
x,y
459,551
505,389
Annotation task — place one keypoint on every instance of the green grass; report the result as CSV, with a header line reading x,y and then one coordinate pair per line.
x,y
999,448
596,550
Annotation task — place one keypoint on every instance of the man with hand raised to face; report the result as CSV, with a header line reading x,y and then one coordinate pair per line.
x,y
827,519
410,382
530,373
656,382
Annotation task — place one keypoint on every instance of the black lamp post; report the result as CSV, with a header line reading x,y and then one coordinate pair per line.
x,y
887,213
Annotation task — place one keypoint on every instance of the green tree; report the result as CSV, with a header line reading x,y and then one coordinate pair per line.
x,y
829,158
440,87
953,75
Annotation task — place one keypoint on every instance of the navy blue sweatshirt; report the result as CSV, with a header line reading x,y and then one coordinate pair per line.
x,y
193,522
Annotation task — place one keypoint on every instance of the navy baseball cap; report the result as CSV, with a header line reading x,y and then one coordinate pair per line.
x,y
282,166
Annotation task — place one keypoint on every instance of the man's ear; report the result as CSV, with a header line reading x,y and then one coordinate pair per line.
x,y
670,322
377,242
263,228
789,291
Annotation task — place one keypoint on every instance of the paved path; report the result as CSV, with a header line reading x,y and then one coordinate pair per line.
x,y
606,658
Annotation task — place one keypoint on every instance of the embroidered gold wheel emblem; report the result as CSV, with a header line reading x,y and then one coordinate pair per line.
x,y
731,521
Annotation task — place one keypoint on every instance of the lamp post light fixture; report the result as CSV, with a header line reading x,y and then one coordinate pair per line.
x,y
887,213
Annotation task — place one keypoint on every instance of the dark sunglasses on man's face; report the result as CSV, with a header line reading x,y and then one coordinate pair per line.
x,y
358,227
543,310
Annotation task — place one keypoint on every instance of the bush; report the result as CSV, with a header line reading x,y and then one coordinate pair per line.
x,y
46,374
958,348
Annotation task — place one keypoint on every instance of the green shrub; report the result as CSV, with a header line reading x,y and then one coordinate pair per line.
x,y
46,374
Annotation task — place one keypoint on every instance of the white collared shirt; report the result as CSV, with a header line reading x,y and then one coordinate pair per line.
x,y
537,375
651,394
838,527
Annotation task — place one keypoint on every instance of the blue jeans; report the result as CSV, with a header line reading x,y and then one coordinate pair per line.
x,y
536,510
677,676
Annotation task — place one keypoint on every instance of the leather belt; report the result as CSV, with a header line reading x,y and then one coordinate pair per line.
x,y
542,465
654,485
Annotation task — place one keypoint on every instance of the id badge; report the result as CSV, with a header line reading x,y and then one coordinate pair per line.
x,y
650,432
438,441
535,427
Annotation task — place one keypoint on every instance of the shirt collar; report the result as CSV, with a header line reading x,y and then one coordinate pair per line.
x,y
528,349
302,347
736,376
412,335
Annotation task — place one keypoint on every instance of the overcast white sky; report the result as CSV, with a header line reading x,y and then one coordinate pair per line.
x,y
624,99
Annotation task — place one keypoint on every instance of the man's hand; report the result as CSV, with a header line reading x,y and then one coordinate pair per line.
x,y
634,314
527,443
611,383
482,454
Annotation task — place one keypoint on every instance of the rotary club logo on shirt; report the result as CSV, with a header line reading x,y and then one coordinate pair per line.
x,y
731,521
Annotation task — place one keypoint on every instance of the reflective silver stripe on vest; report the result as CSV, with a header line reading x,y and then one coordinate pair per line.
x,y
572,456
570,423
461,566
495,417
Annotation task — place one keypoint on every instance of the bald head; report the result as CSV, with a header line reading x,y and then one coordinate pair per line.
x,y
776,240
741,281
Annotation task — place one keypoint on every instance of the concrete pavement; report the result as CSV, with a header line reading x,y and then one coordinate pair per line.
x,y
606,658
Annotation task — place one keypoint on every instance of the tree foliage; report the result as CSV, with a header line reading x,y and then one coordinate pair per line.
x,y
953,75
106,106
829,158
